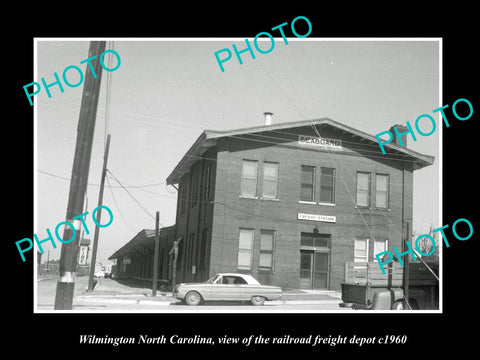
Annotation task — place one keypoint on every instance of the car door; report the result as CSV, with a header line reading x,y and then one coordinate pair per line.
x,y
225,288
246,290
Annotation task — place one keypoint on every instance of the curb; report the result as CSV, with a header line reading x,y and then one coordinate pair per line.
x,y
302,302
119,300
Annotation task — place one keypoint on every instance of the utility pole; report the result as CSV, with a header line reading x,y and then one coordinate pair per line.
x,y
155,254
405,239
78,183
93,259
406,267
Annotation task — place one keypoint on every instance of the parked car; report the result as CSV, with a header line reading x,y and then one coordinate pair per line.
x,y
227,286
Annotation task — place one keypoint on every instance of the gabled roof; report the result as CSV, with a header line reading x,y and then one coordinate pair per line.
x,y
208,138
143,239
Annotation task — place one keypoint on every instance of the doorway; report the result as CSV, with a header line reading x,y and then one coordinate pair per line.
x,y
314,267
314,260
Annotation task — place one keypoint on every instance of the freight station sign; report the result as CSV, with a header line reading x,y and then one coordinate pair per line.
x,y
315,217
316,142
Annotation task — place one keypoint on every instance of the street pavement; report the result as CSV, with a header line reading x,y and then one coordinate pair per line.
x,y
121,295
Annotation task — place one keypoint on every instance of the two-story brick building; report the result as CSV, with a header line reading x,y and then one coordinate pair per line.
x,y
290,203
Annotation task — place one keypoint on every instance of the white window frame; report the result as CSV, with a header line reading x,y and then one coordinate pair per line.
x,y
367,248
312,200
332,202
369,189
387,195
375,252
255,196
244,267
270,180
270,252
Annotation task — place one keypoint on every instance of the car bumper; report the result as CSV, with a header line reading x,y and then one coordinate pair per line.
x,y
178,295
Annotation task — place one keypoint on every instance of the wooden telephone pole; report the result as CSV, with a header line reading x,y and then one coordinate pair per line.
x,y
155,254
78,183
405,239
93,260
406,267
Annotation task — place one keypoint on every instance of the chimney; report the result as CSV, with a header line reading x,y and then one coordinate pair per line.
x,y
268,118
400,129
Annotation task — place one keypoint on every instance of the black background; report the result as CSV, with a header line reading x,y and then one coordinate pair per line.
x,y
57,335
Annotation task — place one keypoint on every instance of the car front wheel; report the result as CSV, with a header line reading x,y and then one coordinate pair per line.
x,y
193,298
257,300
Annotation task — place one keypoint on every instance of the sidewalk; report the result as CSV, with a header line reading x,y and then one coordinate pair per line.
x,y
303,296
131,291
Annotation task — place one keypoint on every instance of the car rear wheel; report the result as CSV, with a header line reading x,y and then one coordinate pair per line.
x,y
193,298
398,305
257,300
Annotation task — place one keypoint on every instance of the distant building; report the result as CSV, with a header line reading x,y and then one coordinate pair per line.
x,y
135,259
289,203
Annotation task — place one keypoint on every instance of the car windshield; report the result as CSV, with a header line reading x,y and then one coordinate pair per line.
x,y
213,279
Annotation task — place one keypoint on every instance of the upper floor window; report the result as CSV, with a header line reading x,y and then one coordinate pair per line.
x,y
307,188
363,189
327,185
270,180
381,191
249,178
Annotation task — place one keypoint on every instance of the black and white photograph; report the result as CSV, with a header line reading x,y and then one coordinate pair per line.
x,y
271,186
285,186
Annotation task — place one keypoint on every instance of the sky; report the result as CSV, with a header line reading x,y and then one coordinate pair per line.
x,y
166,92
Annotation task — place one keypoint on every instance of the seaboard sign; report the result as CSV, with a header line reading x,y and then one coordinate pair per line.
x,y
323,143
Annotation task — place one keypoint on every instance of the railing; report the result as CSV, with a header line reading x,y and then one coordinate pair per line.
x,y
371,274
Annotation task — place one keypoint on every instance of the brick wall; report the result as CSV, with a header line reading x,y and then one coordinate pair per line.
x,y
231,212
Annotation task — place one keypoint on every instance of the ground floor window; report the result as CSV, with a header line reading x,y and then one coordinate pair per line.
x,y
360,252
378,247
267,242
245,249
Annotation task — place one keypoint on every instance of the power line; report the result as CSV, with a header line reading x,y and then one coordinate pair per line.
x,y
133,197
113,186
118,207
313,126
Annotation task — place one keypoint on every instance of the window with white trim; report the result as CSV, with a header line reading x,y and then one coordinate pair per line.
x,y
382,183
245,249
378,247
267,246
327,185
363,189
270,180
360,252
307,187
249,178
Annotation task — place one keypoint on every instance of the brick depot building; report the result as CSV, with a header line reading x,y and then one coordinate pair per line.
x,y
135,258
290,203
